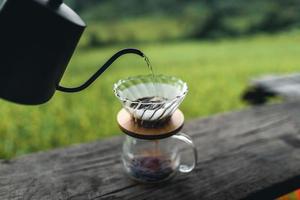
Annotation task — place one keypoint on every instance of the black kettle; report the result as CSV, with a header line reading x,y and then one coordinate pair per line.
x,y
37,40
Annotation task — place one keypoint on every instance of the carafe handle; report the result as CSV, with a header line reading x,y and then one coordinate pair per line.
x,y
186,168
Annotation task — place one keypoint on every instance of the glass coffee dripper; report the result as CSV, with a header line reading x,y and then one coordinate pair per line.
x,y
154,148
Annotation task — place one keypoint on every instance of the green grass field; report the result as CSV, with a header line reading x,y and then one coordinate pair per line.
x,y
217,72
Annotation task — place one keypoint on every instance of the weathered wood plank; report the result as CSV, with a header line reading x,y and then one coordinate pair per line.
x,y
251,154
286,86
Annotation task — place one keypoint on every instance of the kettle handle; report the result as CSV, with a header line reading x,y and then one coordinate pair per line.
x,y
100,71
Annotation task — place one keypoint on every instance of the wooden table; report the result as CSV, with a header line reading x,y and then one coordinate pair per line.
x,y
251,154
263,88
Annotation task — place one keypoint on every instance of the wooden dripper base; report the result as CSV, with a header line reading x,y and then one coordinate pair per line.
x,y
129,126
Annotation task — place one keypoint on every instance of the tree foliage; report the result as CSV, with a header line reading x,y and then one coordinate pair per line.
x,y
205,18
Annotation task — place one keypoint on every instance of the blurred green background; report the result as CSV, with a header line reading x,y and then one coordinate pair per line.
x,y
215,46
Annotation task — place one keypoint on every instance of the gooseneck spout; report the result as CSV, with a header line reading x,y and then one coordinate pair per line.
x,y
101,70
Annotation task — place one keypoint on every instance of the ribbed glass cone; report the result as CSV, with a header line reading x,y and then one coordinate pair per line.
x,y
151,99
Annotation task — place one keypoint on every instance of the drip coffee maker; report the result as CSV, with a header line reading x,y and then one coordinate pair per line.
x,y
154,148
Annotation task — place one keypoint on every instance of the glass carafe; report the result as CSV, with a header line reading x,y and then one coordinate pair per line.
x,y
154,149
153,161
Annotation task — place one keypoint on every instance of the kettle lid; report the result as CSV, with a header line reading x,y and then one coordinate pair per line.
x,y
61,9
53,7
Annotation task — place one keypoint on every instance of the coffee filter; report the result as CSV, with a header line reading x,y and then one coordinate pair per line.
x,y
151,98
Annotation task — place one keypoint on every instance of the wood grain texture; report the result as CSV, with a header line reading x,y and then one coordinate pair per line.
x,y
251,154
130,127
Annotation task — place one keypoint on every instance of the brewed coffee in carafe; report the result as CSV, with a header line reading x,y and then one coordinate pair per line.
x,y
152,164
